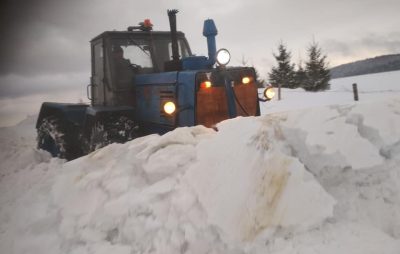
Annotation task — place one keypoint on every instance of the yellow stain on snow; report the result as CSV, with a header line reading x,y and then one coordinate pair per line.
x,y
79,177
268,192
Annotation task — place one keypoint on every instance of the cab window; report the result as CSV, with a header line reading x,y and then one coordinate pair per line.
x,y
163,49
128,58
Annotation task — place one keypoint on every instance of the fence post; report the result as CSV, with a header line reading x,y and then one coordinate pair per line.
x,y
279,91
355,91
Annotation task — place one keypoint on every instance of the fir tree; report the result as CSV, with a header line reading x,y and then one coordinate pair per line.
x,y
259,81
300,75
317,72
283,75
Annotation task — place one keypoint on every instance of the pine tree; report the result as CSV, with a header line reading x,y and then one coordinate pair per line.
x,y
283,75
259,81
317,72
300,75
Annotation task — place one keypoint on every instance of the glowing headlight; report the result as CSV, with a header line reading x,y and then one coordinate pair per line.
x,y
269,93
246,80
206,84
223,57
169,107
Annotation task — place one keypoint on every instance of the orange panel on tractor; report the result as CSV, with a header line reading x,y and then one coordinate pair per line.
x,y
247,96
211,106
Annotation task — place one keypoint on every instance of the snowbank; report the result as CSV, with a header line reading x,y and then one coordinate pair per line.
x,y
317,180
247,184
151,193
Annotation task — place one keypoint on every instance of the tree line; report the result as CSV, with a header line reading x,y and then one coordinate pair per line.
x,y
312,76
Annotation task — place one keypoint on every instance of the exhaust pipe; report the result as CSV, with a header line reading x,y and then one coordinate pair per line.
x,y
174,38
210,31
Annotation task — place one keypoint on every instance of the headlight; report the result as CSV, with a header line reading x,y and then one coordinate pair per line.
x,y
206,84
246,80
223,57
269,92
169,107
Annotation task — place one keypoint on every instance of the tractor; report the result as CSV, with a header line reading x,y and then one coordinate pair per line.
x,y
144,82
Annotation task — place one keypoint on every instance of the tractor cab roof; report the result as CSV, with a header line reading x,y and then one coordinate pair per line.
x,y
136,34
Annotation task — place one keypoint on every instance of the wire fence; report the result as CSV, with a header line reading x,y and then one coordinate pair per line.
x,y
341,91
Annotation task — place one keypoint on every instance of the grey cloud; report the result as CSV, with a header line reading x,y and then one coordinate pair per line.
x,y
340,47
44,41
374,42
13,86
52,36
368,46
35,41
389,42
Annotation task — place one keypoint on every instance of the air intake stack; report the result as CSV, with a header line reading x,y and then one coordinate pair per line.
x,y
210,31
174,64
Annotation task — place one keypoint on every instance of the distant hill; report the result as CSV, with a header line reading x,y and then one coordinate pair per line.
x,y
371,65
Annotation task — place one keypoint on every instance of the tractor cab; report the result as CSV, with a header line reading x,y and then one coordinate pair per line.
x,y
119,56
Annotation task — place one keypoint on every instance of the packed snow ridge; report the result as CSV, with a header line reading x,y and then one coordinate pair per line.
x,y
318,180
311,181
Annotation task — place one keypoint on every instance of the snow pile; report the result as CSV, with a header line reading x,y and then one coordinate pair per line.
x,y
143,196
18,147
318,180
247,184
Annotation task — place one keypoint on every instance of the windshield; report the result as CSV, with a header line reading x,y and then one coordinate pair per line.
x,y
163,51
129,57
135,55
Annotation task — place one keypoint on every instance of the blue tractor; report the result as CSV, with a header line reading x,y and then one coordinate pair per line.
x,y
145,82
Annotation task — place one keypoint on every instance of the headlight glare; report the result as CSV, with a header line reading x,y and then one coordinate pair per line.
x,y
169,107
246,80
269,92
205,84
223,57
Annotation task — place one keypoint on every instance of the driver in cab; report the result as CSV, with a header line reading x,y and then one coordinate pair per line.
x,y
123,72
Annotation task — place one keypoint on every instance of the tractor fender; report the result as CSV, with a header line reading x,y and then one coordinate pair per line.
x,y
102,113
58,129
99,111
105,125
69,112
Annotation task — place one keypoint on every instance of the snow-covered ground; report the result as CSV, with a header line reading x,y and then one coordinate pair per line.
x,y
372,87
317,173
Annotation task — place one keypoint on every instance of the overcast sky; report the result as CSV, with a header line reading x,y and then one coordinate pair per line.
x,y
45,43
